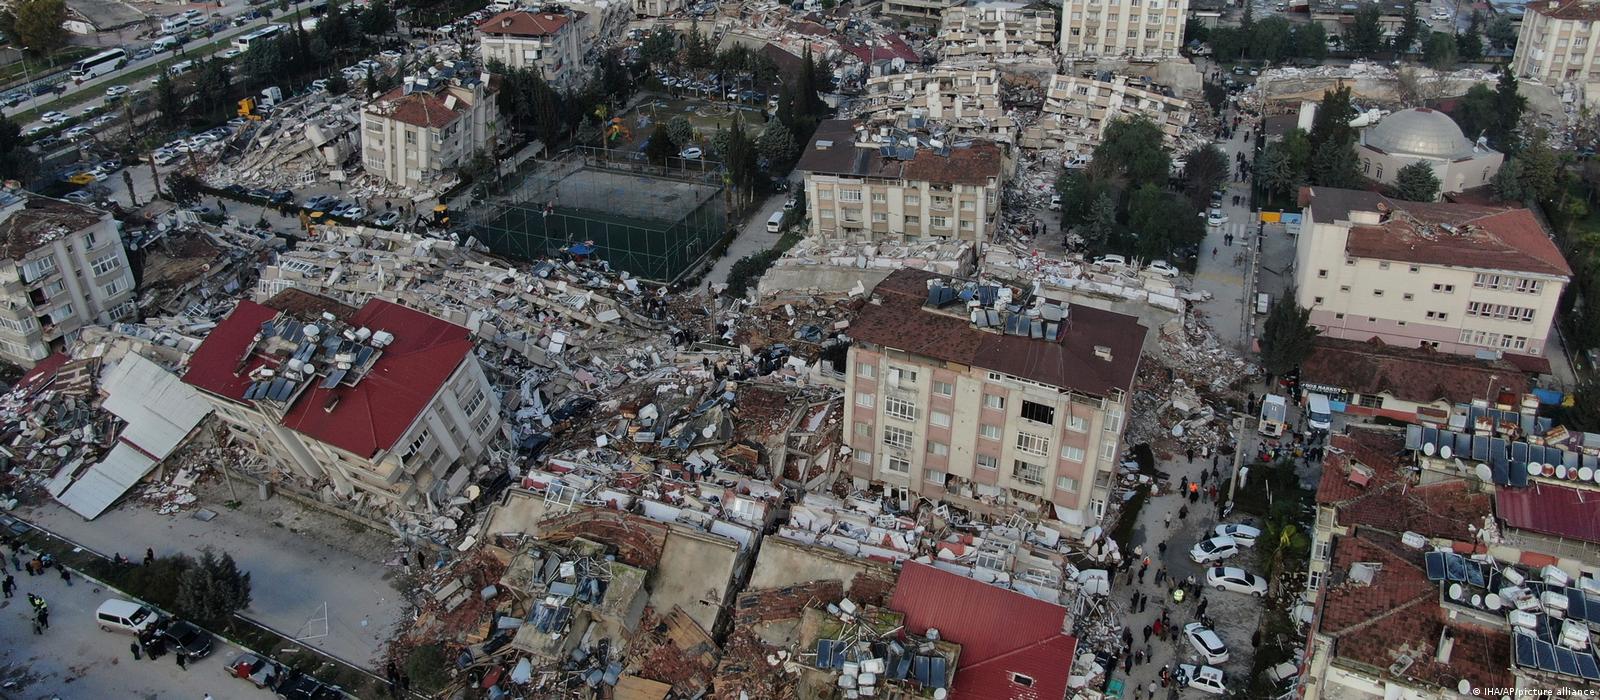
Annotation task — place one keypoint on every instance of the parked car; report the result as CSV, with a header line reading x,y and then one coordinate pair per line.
x,y
79,196
1207,642
52,117
231,53
1055,201
187,638
142,54
387,219
1216,217
163,156
1114,262
116,91
1207,679
260,193
1244,535
77,132
1231,578
691,153
1163,268
1214,549
304,687
103,120
320,202
117,615
36,131
282,197
354,212
262,672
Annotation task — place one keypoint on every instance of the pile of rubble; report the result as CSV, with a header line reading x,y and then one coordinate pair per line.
x,y
820,266
1187,389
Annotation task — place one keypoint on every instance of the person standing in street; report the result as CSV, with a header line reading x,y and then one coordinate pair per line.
x,y
183,661
134,647
66,576
9,585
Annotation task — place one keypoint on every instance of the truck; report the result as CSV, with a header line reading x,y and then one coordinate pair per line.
x,y
1274,413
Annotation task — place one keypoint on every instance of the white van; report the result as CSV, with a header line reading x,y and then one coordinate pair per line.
x,y
775,222
179,68
166,43
173,25
124,616
1319,414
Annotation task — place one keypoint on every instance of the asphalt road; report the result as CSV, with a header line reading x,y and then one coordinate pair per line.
x,y
74,659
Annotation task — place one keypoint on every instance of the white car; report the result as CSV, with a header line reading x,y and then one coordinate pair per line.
x,y
1206,641
78,132
1232,578
1055,201
1216,218
1214,549
116,91
232,53
691,153
1115,262
1163,268
1207,679
165,156
52,117
1441,14
35,130
1244,535
355,213
103,120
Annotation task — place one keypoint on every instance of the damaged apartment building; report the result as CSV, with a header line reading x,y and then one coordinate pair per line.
x,y
965,102
996,32
418,134
383,405
542,40
1078,108
988,400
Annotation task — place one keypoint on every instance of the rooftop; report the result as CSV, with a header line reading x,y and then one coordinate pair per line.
x,y
1580,10
424,108
1440,233
1560,511
1419,132
833,151
1363,480
522,23
40,221
363,412
1095,352
965,611
1410,374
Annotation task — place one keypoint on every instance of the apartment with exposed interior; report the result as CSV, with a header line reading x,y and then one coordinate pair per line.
x,y
657,8
1557,46
544,41
383,404
1135,29
964,102
987,398
929,10
869,185
1077,110
64,268
418,134
996,30
1458,278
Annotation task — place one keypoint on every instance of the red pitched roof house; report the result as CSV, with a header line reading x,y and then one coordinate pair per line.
x,y
375,424
1012,646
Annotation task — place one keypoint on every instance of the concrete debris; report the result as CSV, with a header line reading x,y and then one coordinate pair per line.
x,y
819,266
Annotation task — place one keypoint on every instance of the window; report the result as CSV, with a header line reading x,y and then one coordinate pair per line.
x,y
1383,264
1077,424
116,285
1033,444
1370,401
1377,292
849,195
863,456
88,240
866,400
1316,300
1072,454
913,200
895,464
105,263
987,462
1444,288
939,221
1067,483
825,194
1319,551
482,424
1344,287
1322,274
939,419
943,388
1339,316
1027,473
866,369
1414,269
1438,315
415,446
933,476
902,377
1314,581
1038,412
994,401
879,217
1024,681
470,408
879,197
989,432
1108,449
896,437
938,448
899,408
1408,296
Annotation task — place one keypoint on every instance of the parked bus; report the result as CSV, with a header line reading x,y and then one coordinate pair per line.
x,y
99,64
270,31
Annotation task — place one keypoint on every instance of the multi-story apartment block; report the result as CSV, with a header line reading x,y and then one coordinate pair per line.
x,y
996,30
1077,110
657,8
1138,29
1557,45
64,268
1459,278
918,9
987,399
544,41
965,102
384,403
416,134
865,186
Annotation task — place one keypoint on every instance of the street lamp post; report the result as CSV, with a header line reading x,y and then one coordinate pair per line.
x,y
27,79
1488,388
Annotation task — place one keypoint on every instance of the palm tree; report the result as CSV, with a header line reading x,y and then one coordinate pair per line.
x,y
1282,540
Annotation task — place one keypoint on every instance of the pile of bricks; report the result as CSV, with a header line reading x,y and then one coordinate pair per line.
x,y
744,671
766,605
872,587
638,540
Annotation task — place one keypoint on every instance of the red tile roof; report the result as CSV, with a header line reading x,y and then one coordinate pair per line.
x,y
898,320
1580,10
1399,615
886,47
1000,631
1411,374
421,108
1552,510
215,365
371,415
42,373
1492,238
524,23
1388,501
833,151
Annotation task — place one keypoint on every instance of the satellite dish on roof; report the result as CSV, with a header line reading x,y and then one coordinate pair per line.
x,y
1561,471
1483,472
1477,600
1492,601
1427,449
1444,452
1535,469
1464,687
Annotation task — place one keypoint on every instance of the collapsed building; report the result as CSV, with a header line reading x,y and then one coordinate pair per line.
x,y
1077,110
996,31
964,102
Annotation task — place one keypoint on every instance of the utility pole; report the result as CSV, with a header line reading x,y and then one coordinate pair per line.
x,y
1238,453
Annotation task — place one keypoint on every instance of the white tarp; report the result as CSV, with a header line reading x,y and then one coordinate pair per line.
x,y
160,412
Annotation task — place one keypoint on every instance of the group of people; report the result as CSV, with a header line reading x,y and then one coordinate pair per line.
x,y
37,565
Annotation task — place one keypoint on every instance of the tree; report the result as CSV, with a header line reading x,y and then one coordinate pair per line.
x,y
616,82
1440,51
660,147
1476,112
377,19
1416,183
1271,39
1502,35
1311,42
213,589
1162,222
183,188
1541,168
777,145
1101,224
1507,181
1286,336
1469,44
1203,169
1413,89
168,103
1277,173
659,48
1332,140
16,161
36,24
213,88
1281,541
1131,149
1509,105
1406,36
1365,35
680,131
337,85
